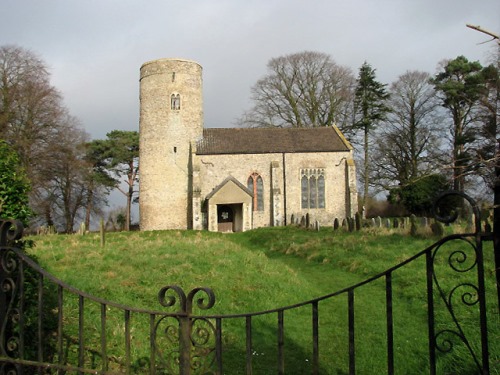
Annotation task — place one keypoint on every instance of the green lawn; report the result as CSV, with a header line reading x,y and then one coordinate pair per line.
x,y
269,268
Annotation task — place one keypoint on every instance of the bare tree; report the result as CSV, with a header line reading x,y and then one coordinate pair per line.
x,y
63,194
306,89
407,147
34,121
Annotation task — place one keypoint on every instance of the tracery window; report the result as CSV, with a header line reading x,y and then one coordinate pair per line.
x,y
256,185
175,102
312,186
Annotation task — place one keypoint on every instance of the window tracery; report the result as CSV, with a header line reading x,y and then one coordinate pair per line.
x,y
256,185
312,186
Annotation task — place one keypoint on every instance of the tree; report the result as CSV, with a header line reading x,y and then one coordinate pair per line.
x,y
418,196
30,108
34,121
119,156
98,182
60,197
370,109
306,89
461,87
14,186
489,130
407,146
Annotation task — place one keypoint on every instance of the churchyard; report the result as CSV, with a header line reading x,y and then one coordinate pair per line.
x,y
268,268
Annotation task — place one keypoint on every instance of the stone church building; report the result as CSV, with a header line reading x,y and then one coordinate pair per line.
x,y
232,179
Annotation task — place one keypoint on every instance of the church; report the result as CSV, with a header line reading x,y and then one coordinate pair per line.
x,y
232,179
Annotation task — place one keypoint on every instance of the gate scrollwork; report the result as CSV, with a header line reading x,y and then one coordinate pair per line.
x,y
185,343
10,231
460,283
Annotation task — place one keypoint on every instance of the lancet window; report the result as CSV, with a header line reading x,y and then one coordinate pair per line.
x,y
175,102
256,185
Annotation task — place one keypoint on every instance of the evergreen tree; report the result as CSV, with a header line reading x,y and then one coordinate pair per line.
x,y
14,186
118,156
370,109
461,86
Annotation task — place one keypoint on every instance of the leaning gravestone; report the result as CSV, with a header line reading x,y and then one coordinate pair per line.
x,y
292,219
373,222
378,221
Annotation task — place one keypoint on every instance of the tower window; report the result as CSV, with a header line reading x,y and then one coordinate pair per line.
x,y
256,185
173,76
175,102
312,186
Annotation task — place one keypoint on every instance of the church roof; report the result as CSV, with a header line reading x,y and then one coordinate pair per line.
x,y
270,140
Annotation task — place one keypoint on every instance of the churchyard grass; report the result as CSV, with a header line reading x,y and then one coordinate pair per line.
x,y
264,269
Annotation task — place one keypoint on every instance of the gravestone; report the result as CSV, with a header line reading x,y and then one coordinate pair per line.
x,y
388,223
357,221
437,229
336,224
423,222
350,224
303,221
378,221
413,225
396,223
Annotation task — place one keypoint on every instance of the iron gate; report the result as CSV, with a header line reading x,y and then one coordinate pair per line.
x,y
35,337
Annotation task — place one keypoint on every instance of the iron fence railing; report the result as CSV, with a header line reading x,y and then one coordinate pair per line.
x,y
48,326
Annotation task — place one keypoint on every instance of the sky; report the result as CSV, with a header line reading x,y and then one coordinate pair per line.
x,y
95,48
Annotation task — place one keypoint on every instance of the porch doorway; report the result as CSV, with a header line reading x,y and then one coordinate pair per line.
x,y
225,218
229,217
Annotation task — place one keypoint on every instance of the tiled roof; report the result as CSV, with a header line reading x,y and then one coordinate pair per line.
x,y
270,140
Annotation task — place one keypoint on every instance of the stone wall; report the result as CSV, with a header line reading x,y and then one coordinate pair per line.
x,y
279,194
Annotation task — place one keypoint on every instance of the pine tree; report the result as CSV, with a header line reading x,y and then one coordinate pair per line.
x,y
370,109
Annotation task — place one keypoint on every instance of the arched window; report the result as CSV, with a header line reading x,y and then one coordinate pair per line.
x,y
312,186
256,185
175,102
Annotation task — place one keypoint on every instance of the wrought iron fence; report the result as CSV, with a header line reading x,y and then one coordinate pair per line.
x,y
48,326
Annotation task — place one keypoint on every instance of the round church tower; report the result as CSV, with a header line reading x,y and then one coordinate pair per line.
x,y
171,118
